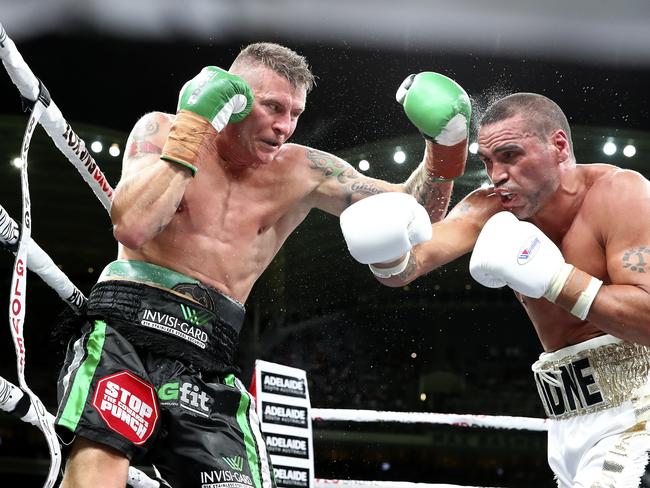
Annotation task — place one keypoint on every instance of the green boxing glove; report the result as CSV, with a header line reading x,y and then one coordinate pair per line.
x,y
218,96
206,104
437,106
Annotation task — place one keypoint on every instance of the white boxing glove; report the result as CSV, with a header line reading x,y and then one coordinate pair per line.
x,y
383,228
518,254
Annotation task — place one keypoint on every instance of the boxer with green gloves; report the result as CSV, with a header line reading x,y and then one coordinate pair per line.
x,y
206,199
210,100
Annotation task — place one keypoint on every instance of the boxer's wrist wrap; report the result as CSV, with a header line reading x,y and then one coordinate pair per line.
x,y
574,290
186,138
193,169
446,163
393,270
557,282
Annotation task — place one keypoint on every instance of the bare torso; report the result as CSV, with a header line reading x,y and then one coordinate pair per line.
x,y
232,218
232,222
579,237
590,224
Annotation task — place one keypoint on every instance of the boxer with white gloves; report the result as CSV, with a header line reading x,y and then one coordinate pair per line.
x,y
511,252
592,316
383,228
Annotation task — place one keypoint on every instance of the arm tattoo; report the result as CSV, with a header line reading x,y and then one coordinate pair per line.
x,y
409,272
634,259
361,188
366,188
330,166
464,208
460,210
425,188
150,128
141,147
139,144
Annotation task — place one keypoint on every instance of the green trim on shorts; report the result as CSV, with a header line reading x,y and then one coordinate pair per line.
x,y
83,378
249,439
145,272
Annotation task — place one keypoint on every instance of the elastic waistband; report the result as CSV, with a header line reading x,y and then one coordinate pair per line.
x,y
594,375
227,307
145,273
167,323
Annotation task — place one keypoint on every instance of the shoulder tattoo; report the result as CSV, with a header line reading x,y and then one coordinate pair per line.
x,y
637,259
149,128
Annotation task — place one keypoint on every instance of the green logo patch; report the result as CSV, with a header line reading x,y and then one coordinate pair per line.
x,y
235,462
168,391
195,317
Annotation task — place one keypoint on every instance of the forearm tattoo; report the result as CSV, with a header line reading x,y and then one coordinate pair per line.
x,y
409,272
637,259
463,208
366,188
139,145
427,190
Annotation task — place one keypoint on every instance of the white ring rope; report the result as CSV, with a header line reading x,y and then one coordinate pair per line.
x,y
53,122
459,420
11,396
40,263
138,479
45,112
320,483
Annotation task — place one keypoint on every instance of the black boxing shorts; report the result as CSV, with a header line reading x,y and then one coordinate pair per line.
x,y
136,380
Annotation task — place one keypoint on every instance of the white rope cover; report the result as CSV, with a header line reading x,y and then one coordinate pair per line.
x,y
140,480
459,420
68,142
39,262
320,483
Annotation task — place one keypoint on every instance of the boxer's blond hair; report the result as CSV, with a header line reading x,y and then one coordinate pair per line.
x,y
282,60
542,114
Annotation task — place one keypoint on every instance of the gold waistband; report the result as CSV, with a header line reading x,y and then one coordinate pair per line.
x,y
595,375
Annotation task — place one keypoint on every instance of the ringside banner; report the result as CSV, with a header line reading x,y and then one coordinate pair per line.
x,y
282,402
